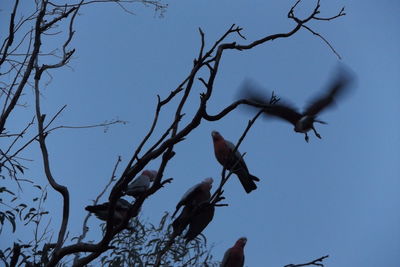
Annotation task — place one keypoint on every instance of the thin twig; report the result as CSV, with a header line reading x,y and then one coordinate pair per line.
x,y
316,262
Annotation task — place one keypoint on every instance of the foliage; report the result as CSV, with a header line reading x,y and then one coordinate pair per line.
x,y
138,246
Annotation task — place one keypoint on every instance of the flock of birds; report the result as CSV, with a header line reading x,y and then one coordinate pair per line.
x,y
198,211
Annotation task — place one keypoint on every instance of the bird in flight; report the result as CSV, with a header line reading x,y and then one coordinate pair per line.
x,y
302,121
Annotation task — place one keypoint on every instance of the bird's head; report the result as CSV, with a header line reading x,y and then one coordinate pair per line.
x,y
151,174
216,135
241,242
208,181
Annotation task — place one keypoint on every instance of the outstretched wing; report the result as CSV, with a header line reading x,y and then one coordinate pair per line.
x,y
338,87
284,111
253,93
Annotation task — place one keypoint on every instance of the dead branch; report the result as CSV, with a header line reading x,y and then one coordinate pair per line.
x,y
316,262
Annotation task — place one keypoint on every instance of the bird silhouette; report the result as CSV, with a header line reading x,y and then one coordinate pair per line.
x,y
302,121
223,150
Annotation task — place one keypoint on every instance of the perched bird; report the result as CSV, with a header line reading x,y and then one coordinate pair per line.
x,y
182,221
234,162
101,211
303,122
234,256
196,194
141,183
201,217
191,199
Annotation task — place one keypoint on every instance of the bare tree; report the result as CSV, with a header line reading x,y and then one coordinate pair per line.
x,y
24,64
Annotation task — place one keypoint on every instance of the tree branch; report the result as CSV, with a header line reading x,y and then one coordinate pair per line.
x,y
316,262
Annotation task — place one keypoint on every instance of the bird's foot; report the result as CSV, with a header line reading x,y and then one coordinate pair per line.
x,y
316,133
306,138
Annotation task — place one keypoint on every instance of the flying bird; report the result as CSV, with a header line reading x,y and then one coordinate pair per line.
x,y
223,150
234,256
302,122
101,211
190,200
141,183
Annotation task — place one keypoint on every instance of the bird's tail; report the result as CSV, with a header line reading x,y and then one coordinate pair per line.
x,y
247,180
319,121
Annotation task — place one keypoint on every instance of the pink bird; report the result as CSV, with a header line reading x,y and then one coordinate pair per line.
x,y
101,211
195,196
201,216
141,183
234,256
223,152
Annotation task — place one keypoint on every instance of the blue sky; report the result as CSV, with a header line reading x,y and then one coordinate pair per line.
x,y
337,196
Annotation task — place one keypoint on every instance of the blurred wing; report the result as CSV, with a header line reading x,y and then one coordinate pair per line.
x,y
284,111
254,93
338,87
251,91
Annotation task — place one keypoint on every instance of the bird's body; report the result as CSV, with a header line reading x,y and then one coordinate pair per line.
x,y
195,196
101,211
302,122
223,150
234,256
141,183
201,217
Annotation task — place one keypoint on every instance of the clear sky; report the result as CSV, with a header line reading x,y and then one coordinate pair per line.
x,y
338,196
